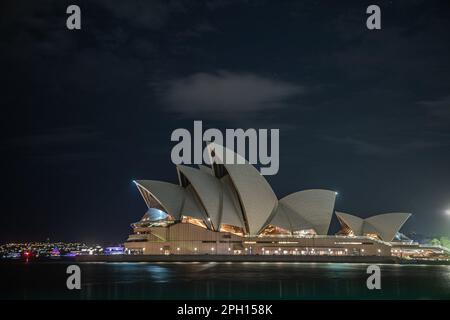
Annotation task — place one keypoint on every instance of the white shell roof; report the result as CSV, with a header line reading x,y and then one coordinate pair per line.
x,y
191,206
231,212
388,224
209,190
170,196
206,169
315,206
280,218
385,225
353,222
257,197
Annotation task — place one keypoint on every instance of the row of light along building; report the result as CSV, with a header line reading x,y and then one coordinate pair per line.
x,y
230,209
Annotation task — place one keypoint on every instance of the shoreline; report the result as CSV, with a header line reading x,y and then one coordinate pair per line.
x,y
232,258
255,258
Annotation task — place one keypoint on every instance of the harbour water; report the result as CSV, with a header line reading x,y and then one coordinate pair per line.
x,y
212,280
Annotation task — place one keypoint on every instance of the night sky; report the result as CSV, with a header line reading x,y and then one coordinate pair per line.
x,y
365,113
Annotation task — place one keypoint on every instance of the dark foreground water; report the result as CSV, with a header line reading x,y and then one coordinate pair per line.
x,y
209,280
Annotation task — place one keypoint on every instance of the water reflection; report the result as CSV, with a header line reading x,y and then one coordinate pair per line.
x,y
228,280
158,273
274,280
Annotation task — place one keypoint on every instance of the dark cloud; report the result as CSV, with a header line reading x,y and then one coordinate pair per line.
x,y
198,30
223,93
439,108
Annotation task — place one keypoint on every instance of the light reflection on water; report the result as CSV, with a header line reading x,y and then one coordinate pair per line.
x,y
158,273
287,280
228,280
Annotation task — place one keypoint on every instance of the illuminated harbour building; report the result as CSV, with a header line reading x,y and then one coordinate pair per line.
x,y
230,209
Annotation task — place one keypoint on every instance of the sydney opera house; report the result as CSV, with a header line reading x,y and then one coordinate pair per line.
x,y
230,209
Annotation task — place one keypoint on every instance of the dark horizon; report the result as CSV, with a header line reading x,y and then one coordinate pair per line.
x,y
365,113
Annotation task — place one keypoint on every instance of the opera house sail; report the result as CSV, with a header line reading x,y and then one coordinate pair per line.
x,y
231,209
383,226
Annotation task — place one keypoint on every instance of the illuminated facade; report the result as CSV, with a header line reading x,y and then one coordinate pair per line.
x,y
231,209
